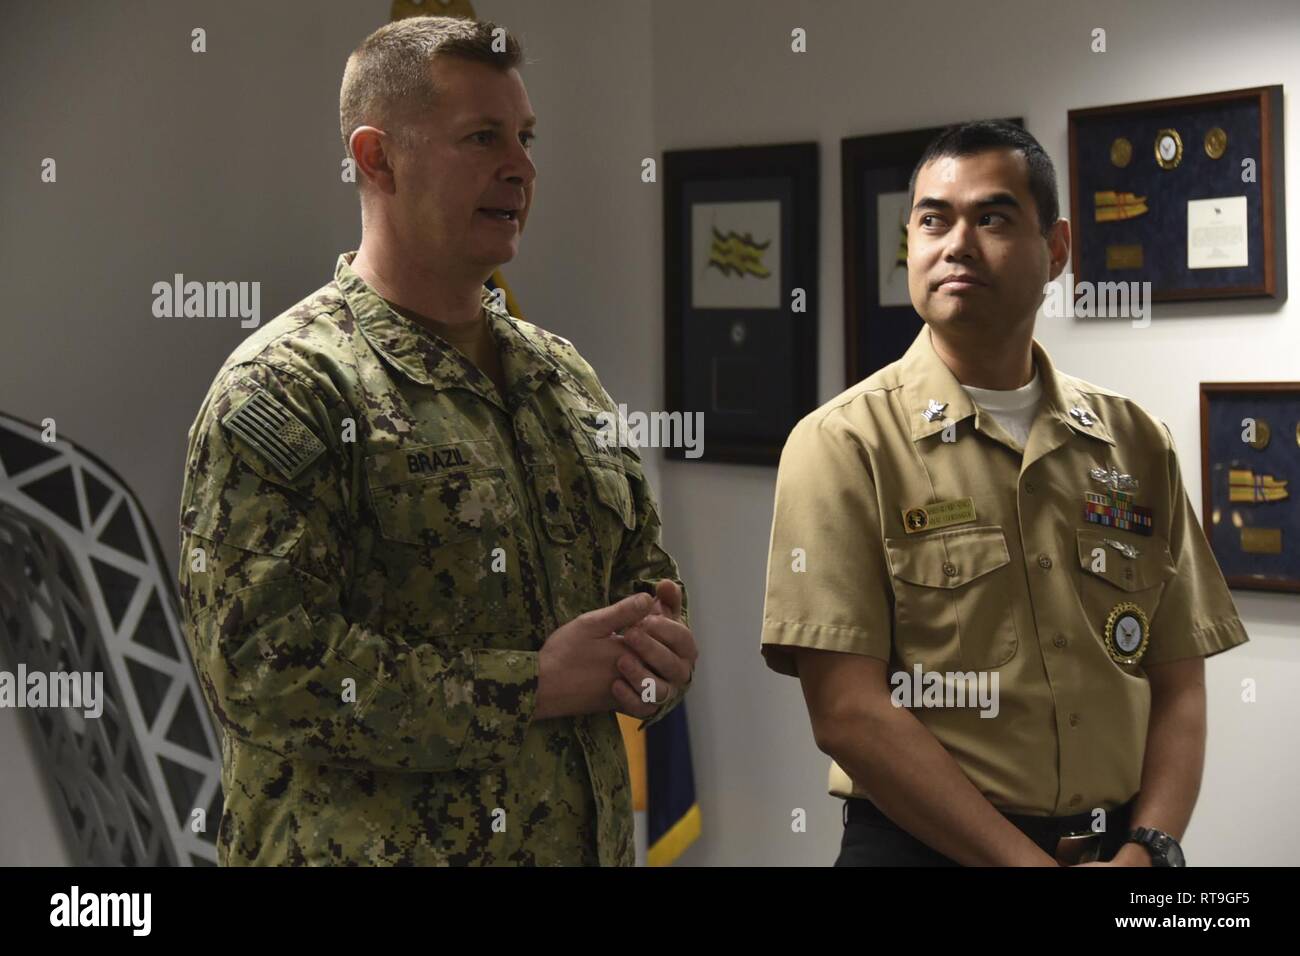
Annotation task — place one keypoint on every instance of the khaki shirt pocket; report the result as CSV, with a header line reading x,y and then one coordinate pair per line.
x,y
952,599
1109,578
1148,569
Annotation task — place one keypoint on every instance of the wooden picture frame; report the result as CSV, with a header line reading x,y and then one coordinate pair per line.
x,y
1250,498
1188,221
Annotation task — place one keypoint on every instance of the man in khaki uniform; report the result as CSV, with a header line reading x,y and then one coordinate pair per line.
x,y
407,542
986,573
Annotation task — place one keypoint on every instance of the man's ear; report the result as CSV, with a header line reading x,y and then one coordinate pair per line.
x,y
1058,248
373,151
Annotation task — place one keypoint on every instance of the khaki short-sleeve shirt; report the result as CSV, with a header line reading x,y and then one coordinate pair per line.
x,y
911,528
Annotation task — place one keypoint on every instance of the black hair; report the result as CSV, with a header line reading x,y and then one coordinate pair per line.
x,y
967,139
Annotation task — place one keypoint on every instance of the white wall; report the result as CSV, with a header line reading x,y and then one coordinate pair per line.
x,y
225,166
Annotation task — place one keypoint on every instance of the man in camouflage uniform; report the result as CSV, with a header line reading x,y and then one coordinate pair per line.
x,y
405,561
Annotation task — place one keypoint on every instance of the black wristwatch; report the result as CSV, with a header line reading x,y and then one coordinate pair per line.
x,y
1163,848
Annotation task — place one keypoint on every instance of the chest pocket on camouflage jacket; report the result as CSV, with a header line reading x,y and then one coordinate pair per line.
x,y
606,473
447,534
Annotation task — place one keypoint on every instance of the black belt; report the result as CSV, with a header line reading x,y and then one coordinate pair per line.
x,y
1069,839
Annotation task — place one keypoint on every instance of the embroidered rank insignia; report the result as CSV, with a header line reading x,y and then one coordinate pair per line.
x,y
1115,509
275,432
600,432
1127,633
941,514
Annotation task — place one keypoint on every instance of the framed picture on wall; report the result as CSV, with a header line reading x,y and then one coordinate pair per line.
x,y
1185,193
740,295
879,321
1250,499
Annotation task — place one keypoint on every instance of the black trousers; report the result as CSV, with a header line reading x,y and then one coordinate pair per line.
x,y
872,839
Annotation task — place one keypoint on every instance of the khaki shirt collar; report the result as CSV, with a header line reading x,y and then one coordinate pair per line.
x,y
427,359
925,377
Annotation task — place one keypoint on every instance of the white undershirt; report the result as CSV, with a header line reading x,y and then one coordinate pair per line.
x,y
1014,410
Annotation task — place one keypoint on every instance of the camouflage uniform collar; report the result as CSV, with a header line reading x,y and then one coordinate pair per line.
x,y
525,364
427,359
925,377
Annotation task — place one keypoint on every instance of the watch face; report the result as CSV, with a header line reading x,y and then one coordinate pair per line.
x,y
1163,848
1174,854
1167,148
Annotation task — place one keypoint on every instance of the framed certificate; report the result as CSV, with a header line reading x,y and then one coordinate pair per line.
x,y
740,295
1250,498
1186,193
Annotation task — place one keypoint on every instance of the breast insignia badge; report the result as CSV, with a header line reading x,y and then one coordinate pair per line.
x,y
1127,633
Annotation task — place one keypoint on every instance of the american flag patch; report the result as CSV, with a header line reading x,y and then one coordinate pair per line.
x,y
275,432
1117,510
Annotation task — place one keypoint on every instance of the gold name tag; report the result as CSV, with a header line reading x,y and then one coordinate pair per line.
x,y
939,515
1261,540
1124,257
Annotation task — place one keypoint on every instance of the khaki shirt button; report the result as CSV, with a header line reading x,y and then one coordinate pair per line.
x,y
1060,640
1074,720
950,569
1044,561
1074,800
1029,487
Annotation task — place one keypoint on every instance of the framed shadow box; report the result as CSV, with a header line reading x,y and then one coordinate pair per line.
x,y
1186,193
1250,499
